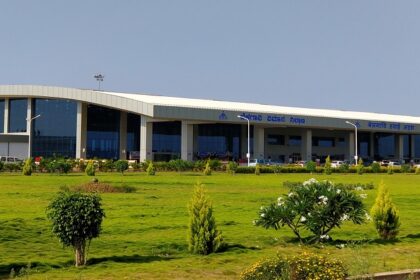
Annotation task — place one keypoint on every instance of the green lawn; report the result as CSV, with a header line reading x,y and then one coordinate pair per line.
x,y
144,233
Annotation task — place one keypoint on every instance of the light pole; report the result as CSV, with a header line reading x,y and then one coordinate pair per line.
x,y
30,133
248,155
99,78
355,139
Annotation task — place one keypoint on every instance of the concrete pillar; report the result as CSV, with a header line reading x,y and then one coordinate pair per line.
x,y
81,130
244,141
350,138
29,126
187,141
6,115
195,139
371,145
413,146
399,147
259,142
123,135
146,138
306,148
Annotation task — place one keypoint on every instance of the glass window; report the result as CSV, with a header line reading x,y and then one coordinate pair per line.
x,y
133,135
166,142
406,146
274,139
341,142
18,109
295,140
1,115
417,146
384,145
54,132
103,133
323,141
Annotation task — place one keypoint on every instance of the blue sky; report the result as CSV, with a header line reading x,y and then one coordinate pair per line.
x,y
351,55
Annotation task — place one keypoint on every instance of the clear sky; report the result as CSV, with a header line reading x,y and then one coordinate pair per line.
x,y
352,55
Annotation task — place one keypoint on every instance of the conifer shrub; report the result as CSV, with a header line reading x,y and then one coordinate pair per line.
x,y
151,171
385,215
327,166
121,166
310,166
390,170
231,167
27,167
405,168
207,170
376,167
360,169
90,169
203,236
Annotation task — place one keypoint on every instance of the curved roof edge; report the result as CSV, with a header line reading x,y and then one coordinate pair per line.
x,y
124,103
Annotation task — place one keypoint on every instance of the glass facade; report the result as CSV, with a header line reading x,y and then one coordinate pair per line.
x,y
384,146
133,135
295,140
103,132
417,146
219,140
363,140
18,109
54,132
2,116
406,146
323,141
166,144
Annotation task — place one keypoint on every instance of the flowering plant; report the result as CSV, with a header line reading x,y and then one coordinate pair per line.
x,y
315,206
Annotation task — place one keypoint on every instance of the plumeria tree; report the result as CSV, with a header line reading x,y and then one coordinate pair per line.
x,y
314,206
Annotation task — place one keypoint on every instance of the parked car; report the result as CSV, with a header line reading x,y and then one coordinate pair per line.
x,y
337,163
9,159
384,162
301,163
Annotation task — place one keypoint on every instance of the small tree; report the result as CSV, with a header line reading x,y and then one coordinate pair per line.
x,y
76,220
310,166
359,167
90,168
327,167
385,214
376,167
203,236
121,166
390,169
231,167
151,169
27,167
207,170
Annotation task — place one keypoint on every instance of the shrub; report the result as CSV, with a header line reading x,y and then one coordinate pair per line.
x,y
180,165
90,169
121,166
207,170
315,206
203,236
76,219
390,170
310,166
215,164
151,171
106,165
418,170
344,168
385,215
376,167
102,188
257,169
305,266
359,167
405,168
231,167
327,167
27,167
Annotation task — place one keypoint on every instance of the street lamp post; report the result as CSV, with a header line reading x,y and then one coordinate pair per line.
x,y
355,139
248,155
29,120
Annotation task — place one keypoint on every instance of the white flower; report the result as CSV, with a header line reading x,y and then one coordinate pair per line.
x,y
303,219
262,215
254,222
341,246
310,181
359,189
323,200
363,195
291,194
309,214
262,208
345,217
325,237
280,201
368,217
338,191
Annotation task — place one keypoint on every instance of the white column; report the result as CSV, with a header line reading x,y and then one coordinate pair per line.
x,y
81,130
29,126
412,146
351,146
306,148
244,141
399,147
187,141
259,142
6,115
123,135
146,137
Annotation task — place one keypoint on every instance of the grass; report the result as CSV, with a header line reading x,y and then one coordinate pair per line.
x,y
144,232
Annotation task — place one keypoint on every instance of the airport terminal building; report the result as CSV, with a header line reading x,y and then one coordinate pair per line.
x,y
79,123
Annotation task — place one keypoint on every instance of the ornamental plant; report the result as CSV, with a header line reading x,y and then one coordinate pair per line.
x,y
360,169
231,167
151,170
310,166
121,166
385,214
27,167
207,170
327,167
203,236
76,219
257,169
390,170
90,168
376,167
314,206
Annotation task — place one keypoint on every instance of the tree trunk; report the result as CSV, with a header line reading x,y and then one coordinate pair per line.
x,y
79,250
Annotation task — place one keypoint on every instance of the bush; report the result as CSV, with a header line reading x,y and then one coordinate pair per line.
x,y
106,165
376,167
359,167
344,168
305,266
90,169
121,166
151,171
390,170
27,167
310,166
385,215
215,164
418,170
231,167
76,219
96,187
327,167
257,169
180,165
12,167
315,206
405,168
207,170
203,236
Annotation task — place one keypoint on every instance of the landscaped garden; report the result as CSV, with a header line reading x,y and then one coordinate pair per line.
x,y
145,229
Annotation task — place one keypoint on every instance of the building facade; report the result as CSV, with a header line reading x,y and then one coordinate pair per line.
x,y
76,123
